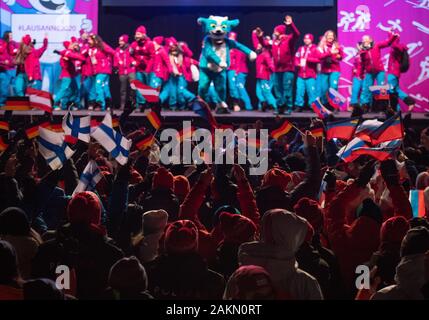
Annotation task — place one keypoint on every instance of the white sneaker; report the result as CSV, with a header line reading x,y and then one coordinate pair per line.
x,y
57,108
90,108
237,108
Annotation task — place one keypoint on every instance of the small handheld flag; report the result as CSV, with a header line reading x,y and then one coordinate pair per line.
x,y
76,128
150,94
53,148
154,119
321,111
284,128
146,142
380,92
201,108
40,99
343,129
91,175
114,143
391,129
346,152
335,99
418,203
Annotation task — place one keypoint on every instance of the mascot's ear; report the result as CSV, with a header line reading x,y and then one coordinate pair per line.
x,y
201,21
233,23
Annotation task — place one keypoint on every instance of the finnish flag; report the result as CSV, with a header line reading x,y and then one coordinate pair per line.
x,y
89,178
117,145
53,148
76,128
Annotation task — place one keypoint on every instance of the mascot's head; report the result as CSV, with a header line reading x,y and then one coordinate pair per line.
x,y
217,27
53,6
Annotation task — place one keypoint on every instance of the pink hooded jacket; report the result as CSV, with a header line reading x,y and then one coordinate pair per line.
x,y
101,59
161,62
143,52
6,61
283,50
334,64
123,61
394,64
32,62
264,61
358,70
238,61
67,63
309,55
371,58
187,61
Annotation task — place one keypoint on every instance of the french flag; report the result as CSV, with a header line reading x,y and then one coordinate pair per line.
x,y
150,94
40,99
335,99
76,128
320,109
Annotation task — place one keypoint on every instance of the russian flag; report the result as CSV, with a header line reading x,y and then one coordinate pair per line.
x,y
40,99
380,92
335,99
343,129
417,201
346,152
365,129
320,109
391,129
150,94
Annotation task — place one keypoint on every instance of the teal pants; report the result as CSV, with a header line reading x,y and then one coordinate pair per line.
x,y
184,96
101,80
356,88
88,89
237,88
283,88
143,78
21,83
326,81
305,86
213,97
77,97
4,87
107,93
219,82
366,95
393,81
264,93
65,93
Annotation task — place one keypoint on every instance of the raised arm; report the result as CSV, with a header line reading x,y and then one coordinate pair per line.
x,y
388,42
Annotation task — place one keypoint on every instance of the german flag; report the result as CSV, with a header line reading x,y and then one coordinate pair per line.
x,y
56,127
254,143
115,122
32,130
185,134
146,142
4,125
154,119
317,132
17,104
3,144
282,130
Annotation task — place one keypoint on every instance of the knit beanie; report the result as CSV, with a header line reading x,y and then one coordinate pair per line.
x,y
416,241
154,221
128,275
84,208
311,211
236,228
181,237
276,177
163,179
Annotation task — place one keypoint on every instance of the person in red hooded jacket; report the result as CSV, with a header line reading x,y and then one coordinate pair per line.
x,y
124,64
283,50
161,68
143,51
306,60
100,54
394,70
330,54
370,53
69,87
8,49
27,60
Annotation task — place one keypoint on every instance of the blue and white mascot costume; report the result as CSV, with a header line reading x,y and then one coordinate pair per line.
x,y
215,58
